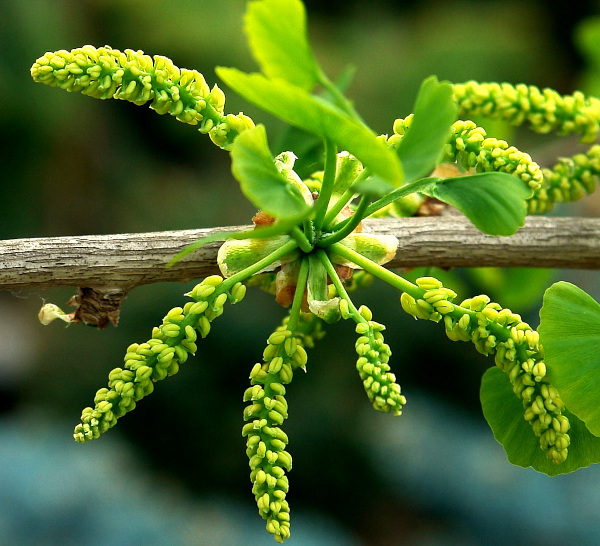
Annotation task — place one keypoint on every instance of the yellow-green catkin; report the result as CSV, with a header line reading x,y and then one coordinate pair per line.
x,y
570,179
373,368
308,329
146,363
545,110
516,349
470,146
265,441
133,76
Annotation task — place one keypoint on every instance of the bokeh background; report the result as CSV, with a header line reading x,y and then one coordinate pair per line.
x,y
174,472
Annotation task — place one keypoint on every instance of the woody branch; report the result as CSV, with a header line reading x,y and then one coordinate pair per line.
x,y
125,261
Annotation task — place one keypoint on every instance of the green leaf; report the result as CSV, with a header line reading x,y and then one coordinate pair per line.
x,y
423,144
309,147
570,334
494,202
277,34
254,168
504,413
315,115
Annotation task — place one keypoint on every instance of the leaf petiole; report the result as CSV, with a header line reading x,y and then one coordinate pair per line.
x,y
298,295
398,193
376,270
341,291
337,208
309,231
344,199
348,226
328,184
301,239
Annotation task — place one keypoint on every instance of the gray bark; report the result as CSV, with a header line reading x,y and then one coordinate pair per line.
x,y
121,262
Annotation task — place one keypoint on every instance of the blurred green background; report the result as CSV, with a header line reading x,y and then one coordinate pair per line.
x,y
175,471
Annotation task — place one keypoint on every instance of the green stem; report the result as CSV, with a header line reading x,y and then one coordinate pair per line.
x,y
406,286
501,332
378,271
343,200
298,295
309,231
256,267
398,193
301,239
337,208
327,186
209,112
339,286
347,227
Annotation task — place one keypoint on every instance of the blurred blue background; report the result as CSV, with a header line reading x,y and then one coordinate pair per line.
x,y
175,471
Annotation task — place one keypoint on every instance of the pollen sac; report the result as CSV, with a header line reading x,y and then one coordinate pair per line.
x,y
516,349
570,179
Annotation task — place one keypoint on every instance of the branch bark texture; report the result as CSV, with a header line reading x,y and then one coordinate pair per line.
x,y
121,262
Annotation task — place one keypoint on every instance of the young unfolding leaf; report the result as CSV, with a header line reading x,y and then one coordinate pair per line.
x,y
315,115
261,182
273,230
277,34
434,113
379,249
504,413
346,170
236,255
570,333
